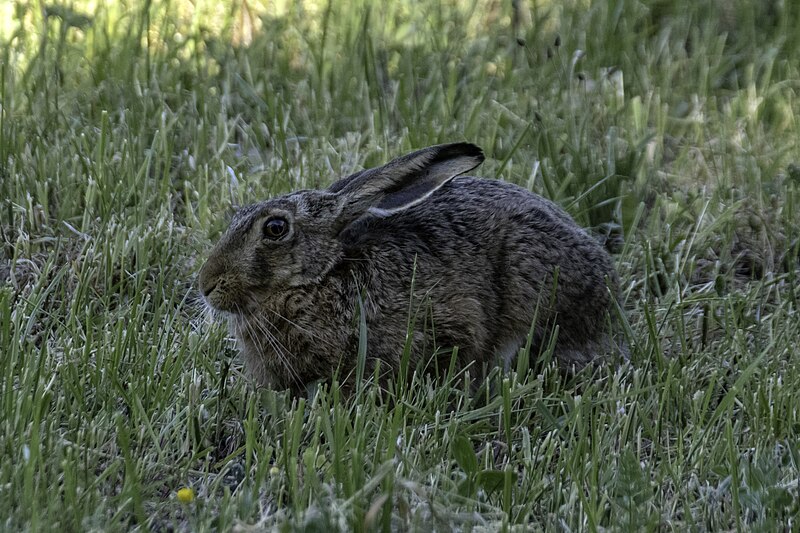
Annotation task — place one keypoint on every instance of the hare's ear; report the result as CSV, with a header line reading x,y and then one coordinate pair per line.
x,y
404,181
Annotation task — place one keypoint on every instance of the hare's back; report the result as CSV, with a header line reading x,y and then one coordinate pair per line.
x,y
478,221
525,237
481,195
501,212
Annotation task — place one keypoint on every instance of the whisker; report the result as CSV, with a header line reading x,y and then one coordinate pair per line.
x,y
288,356
284,355
312,334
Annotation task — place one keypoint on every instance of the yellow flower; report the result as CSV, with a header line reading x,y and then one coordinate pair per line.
x,y
185,495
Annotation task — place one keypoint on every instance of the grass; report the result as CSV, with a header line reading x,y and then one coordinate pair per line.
x,y
128,133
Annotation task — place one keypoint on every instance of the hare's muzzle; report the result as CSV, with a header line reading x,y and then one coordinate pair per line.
x,y
211,284
207,281
207,289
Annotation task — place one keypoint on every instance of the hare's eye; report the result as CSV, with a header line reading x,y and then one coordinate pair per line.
x,y
275,228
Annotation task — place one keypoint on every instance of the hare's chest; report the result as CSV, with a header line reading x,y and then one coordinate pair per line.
x,y
299,333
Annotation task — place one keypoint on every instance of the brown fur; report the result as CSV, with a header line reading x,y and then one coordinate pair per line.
x,y
481,256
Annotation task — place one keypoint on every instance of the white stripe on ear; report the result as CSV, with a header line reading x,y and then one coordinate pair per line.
x,y
405,181
428,182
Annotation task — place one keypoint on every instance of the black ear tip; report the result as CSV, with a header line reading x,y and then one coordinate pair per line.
x,y
462,150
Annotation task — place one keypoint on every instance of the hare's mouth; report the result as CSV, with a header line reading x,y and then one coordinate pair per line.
x,y
224,301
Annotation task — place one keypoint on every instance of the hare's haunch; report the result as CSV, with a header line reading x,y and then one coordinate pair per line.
x,y
432,261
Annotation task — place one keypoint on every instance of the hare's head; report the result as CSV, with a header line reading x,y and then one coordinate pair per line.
x,y
296,239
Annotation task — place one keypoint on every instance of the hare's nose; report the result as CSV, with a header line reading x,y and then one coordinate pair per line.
x,y
208,288
209,278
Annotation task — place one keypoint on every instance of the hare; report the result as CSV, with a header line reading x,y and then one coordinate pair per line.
x,y
427,259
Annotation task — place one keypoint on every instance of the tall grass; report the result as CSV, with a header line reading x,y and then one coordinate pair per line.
x,y
129,132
